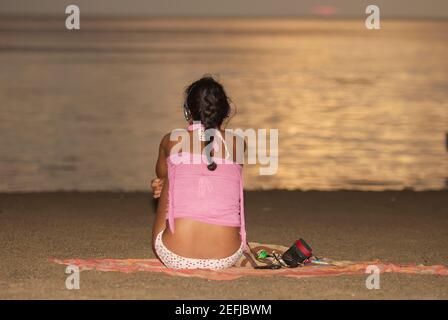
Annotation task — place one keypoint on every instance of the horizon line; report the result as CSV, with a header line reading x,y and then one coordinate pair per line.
x,y
215,16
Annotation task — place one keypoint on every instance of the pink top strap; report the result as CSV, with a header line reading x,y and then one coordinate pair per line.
x,y
195,126
243,220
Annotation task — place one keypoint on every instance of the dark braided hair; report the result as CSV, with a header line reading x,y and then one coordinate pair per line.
x,y
208,103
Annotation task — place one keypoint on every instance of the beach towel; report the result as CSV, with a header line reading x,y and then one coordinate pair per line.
x,y
244,267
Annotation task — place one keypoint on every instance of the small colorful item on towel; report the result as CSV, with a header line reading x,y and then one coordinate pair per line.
x,y
319,268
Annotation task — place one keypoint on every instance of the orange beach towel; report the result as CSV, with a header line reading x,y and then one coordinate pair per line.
x,y
244,268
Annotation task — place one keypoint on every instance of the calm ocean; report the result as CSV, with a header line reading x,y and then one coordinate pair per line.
x,y
355,108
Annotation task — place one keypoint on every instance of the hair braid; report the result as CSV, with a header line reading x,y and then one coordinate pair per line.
x,y
208,102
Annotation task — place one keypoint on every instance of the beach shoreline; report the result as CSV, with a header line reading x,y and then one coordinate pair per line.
x,y
393,226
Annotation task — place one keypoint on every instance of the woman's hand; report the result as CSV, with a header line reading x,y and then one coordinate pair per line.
x,y
156,185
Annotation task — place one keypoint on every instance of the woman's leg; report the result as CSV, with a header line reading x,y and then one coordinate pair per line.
x,y
160,219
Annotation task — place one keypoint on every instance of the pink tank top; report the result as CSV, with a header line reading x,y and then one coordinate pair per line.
x,y
214,197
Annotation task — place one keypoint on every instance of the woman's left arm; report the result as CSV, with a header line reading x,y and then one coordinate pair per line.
x,y
161,167
161,191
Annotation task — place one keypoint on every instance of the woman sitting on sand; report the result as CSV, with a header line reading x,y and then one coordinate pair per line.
x,y
200,217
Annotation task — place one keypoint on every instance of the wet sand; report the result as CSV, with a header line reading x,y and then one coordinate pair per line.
x,y
401,227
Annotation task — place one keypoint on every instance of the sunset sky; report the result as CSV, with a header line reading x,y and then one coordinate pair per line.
x,y
338,8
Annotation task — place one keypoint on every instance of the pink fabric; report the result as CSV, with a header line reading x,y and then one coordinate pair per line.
x,y
214,197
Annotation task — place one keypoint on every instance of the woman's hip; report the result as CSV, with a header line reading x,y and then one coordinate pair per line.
x,y
175,261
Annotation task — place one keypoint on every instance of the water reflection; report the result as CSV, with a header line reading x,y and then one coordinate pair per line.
x,y
354,109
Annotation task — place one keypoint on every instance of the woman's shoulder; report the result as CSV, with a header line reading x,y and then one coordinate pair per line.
x,y
165,142
172,138
236,140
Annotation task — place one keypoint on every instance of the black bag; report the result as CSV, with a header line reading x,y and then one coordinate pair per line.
x,y
297,254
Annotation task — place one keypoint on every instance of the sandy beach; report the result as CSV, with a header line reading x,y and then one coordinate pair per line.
x,y
398,226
